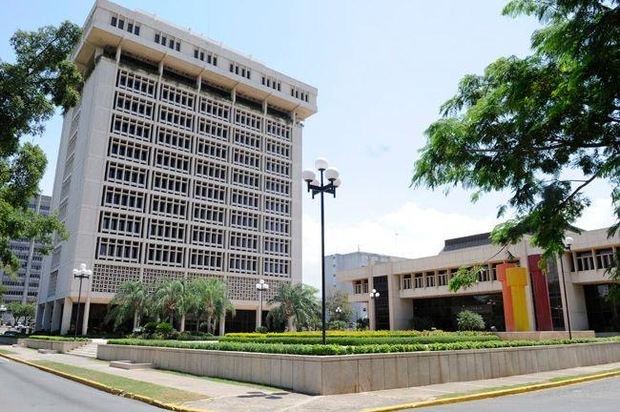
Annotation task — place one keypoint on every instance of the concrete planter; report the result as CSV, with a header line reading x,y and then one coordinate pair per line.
x,y
59,346
328,375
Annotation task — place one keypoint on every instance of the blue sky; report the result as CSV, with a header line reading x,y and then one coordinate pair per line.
x,y
382,70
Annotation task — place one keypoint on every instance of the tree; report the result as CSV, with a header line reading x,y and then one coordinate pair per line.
x,y
130,301
41,79
338,299
3,290
169,299
207,299
22,312
296,305
543,127
468,320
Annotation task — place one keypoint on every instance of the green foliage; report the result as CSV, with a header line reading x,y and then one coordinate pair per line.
x,y
129,302
164,328
261,329
150,328
22,312
40,79
358,341
464,278
339,308
57,338
337,325
359,333
468,320
332,349
169,299
3,290
208,299
297,306
543,127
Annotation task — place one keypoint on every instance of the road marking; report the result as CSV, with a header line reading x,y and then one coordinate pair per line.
x,y
4,360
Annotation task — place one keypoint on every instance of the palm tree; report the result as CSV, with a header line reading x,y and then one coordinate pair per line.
x,y
169,298
296,305
130,300
207,298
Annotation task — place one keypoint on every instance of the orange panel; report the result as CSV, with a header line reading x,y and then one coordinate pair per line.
x,y
509,319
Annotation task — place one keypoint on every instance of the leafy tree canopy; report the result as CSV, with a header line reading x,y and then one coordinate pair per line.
x,y
542,127
40,79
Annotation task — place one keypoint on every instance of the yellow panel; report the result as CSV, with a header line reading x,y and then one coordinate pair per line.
x,y
516,277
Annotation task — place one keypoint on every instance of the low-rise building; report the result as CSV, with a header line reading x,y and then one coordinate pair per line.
x,y
414,292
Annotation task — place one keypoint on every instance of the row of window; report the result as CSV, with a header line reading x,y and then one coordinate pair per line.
x,y
240,70
130,200
167,40
119,21
123,250
205,56
603,258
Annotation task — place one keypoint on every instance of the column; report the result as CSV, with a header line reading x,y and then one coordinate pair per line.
x,y
576,298
258,317
222,325
56,312
85,316
47,316
67,309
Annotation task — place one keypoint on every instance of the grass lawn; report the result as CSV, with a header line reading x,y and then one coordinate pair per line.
x,y
7,352
228,381
158,392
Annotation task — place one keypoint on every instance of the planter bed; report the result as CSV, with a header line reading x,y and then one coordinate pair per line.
x,y
341,374
60,345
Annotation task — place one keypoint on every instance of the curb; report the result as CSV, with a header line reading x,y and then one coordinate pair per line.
x,y
104,388
497,393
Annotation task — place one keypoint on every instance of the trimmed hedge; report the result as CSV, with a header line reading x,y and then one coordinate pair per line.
x,y
359,340
57,338
331,349
358,333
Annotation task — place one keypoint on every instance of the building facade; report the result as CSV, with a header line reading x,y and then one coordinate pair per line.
x,y
182,160
23,287
339,262
414,292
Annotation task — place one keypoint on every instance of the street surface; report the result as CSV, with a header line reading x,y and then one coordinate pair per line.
x,y
24,389
595,396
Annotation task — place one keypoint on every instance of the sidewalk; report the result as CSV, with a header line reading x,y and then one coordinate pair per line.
x,y
231,396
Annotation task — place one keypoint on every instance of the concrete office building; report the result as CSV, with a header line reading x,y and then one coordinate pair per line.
x,y
23,287
338,262
182,160
416,289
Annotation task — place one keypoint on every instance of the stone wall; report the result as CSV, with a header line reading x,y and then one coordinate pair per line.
x,y
327,375
60,346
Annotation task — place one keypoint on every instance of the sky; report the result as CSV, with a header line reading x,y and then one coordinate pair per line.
x,y
382,69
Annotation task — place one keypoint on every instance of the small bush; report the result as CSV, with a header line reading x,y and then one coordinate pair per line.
x,y
164,328
57,338
468,320
261,329
150,328
337,325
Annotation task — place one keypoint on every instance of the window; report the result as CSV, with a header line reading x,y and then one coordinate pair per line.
x,y
133,105
206,259
210,170
126,126
119,250
209,214
170,207
211,149
277,129
300,94
121,224
172,161
240,70
247,139
177,97
271,83
278,167
277,225
244,220
176,117
277,206
205,56
247,159
172,231
165,255
277,246
244,241
243,264
243,198
276,267
167,40
119,198
125,174
212,129
167,183
214,108
585,260
209,191
407,281
247,119
127,150
277,186
207,236
278,148
246,179
174,138
604,258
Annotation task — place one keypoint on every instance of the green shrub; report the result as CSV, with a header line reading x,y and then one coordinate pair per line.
x,y
57,338
150,328
332,349
337,325
358,341
165,329
468,320
261,329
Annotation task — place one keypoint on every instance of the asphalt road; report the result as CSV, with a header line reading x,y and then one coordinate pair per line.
x,y
595,396
24,388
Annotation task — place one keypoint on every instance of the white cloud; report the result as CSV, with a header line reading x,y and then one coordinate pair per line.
x,y
598,215
409,231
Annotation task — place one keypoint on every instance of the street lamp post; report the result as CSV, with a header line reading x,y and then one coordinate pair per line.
x,y
568,241
320,187
373,295
260,286
81,273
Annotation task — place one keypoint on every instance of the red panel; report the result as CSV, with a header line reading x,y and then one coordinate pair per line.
x,y
541,294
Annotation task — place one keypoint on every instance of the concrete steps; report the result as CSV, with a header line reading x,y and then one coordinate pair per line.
x,y
87,351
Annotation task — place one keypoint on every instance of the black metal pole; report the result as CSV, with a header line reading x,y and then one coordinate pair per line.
x,y
570,332
323,257
77,316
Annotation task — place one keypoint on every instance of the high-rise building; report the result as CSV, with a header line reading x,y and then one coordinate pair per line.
x,y
23,286
182,160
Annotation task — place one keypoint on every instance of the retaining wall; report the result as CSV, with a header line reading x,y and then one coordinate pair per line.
x,y
60,346
327,375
